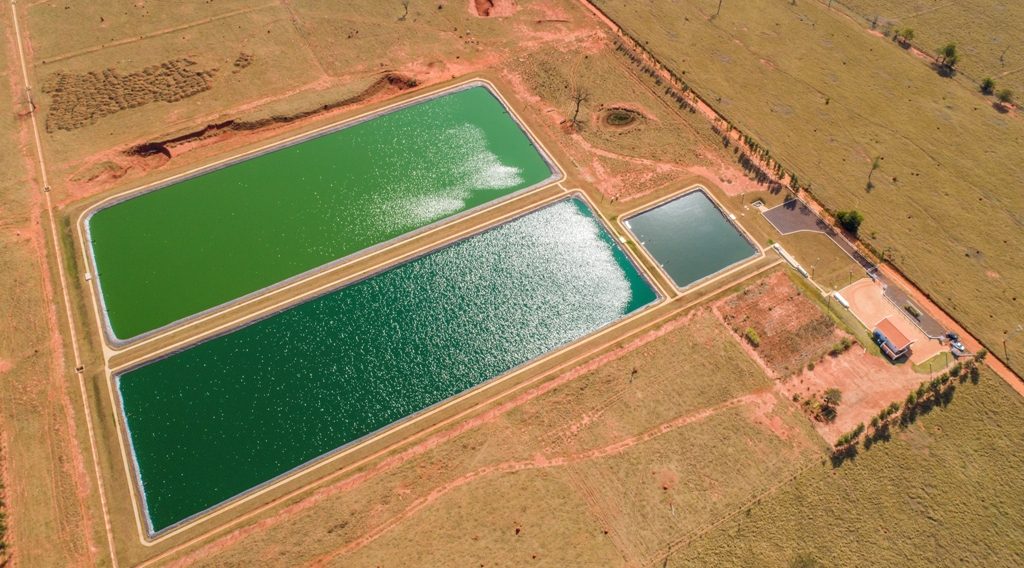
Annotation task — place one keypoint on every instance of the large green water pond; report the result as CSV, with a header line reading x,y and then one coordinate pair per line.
x,y
199,243
229,414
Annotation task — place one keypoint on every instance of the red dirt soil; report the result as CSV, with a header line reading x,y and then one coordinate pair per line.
x,y
868,383
492,8
791,328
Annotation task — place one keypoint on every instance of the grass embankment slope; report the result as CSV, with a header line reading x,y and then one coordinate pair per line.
x,y
947,491
827,98
988,33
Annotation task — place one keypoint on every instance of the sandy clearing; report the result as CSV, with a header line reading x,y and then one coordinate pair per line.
x,y
868,383
869,304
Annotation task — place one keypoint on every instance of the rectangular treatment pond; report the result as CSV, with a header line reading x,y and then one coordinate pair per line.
x,y
227,415
185,248
690,237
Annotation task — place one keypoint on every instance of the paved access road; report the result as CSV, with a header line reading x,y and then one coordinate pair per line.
x,y
795,216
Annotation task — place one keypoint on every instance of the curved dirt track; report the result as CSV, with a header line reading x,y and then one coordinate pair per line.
x,y
539,462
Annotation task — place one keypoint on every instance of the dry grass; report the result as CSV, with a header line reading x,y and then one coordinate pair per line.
x,y
827,98
280,64
988,33
947,491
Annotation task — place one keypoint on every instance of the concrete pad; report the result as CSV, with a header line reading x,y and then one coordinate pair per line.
x,y
869,305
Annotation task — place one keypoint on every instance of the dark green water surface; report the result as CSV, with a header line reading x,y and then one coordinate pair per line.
x,y
199,243
690,237
224,416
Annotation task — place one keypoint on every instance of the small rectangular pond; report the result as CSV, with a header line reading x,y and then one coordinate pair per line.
x,y
690,237
227,415
199,243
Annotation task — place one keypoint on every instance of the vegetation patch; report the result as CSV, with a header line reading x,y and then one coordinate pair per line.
x,y
619,117
773,316
79,99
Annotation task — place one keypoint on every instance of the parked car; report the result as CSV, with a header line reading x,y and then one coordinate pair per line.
x,y
955,343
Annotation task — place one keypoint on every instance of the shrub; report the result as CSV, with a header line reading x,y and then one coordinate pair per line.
x,y
832,397
903,35
857,431
1005,97
850,220
988,86
752,337
810,366
840,347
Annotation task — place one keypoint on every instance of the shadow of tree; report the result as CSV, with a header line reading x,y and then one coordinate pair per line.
x,y
844,454
944,70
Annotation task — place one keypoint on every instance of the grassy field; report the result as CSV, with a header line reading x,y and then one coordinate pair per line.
x,y
947,491
827,98
988,33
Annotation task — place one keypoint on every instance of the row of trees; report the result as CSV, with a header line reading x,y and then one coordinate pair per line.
x,y
939,390
947,58
1003,96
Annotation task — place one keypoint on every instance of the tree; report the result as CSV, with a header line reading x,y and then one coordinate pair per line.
x,y
988,85
875,164
850,220
832,397
579,96
903,36
911,400
948,57
1005,97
